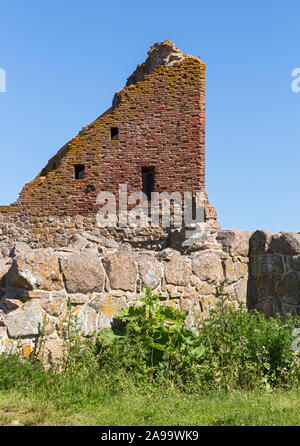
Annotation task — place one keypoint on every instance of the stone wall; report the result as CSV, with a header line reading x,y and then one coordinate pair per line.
x,y
274,284
99,276
59,231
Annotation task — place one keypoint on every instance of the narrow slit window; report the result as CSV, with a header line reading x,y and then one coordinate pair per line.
x,y
148,181
79,171
114,133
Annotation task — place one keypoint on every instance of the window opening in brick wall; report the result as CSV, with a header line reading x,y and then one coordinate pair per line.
x,y
148,181
114,133
79,171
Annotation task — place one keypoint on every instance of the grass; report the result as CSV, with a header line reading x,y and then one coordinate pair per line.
x,y
155,409
113,382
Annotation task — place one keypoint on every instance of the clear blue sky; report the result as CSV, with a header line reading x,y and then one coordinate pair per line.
x,y
64,60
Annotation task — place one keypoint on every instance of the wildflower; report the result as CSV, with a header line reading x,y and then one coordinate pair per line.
x,y
263,347
274,388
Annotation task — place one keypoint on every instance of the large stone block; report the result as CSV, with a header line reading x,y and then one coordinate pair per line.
x,y
234,270
55,307
289,289
86,319
107,307
35,269
27,320
150,270
121,270
178,271
5,265
267,264
241,290
207,266
53,351
235,242
265,286
200,241
83,273
259,242
287,243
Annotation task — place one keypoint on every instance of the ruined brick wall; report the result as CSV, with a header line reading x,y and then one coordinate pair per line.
x,y
160,119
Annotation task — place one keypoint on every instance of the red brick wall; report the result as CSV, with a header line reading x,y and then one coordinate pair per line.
x,y
161,123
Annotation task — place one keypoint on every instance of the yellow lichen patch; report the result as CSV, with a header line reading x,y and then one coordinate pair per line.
x,y
26,351
109,307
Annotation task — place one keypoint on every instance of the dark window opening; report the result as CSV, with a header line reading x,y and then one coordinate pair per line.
x,y
79,171
194,207
148,181
114,133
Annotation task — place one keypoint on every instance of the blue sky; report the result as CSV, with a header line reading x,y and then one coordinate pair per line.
x,y
65,60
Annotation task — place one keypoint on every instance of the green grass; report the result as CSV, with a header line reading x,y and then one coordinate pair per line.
x,y
31,396
117,380
155,409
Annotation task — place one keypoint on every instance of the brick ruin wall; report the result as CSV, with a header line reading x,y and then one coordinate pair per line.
x,y
160,119
164,113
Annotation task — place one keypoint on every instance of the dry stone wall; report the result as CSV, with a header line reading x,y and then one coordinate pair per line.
x,y
97,280
59,231
98,275
275,272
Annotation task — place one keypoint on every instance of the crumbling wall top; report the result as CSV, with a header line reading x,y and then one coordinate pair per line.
x,y
161,53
